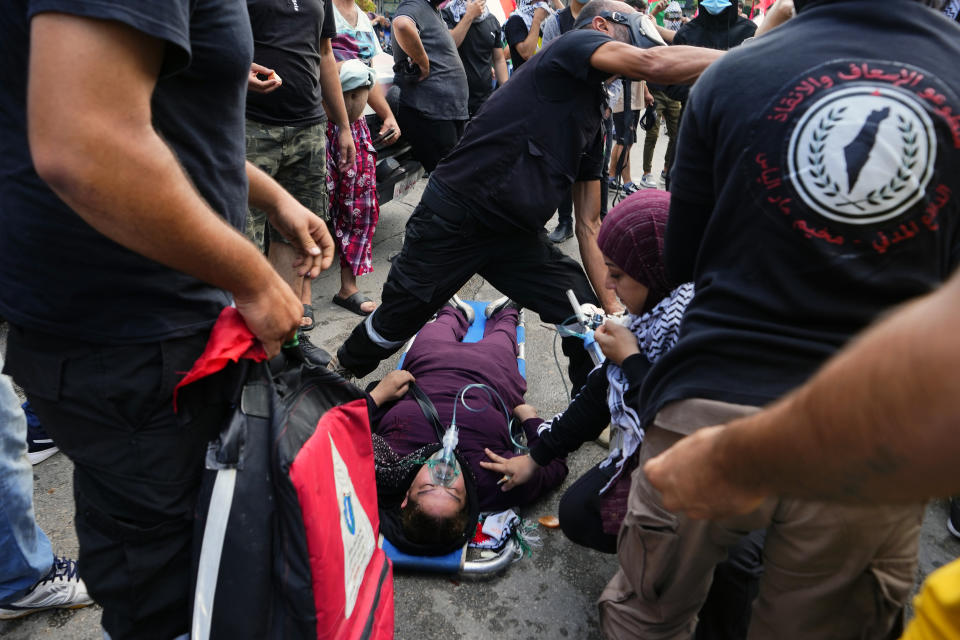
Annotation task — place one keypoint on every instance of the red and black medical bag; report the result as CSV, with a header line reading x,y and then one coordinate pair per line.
x,y
287,523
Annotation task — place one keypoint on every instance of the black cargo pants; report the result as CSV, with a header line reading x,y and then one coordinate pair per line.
x,y
440,253
137,466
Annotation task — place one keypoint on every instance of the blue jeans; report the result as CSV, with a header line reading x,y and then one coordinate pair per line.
x,y
25,553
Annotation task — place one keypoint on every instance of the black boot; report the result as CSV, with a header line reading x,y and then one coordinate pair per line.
x,y
563,231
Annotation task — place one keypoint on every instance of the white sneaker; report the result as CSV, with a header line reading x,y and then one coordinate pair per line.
x,y
40,446
61,588
462,307
499,305
648,182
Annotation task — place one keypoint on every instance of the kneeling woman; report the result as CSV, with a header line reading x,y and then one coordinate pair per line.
x,y
418,514
592,509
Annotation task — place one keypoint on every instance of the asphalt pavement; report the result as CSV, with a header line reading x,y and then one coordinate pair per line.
x,y
550,594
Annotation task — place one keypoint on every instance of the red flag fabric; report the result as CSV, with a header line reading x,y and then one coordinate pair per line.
x,y
230,340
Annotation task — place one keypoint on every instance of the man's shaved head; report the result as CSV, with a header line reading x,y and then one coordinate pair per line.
x,y
596,7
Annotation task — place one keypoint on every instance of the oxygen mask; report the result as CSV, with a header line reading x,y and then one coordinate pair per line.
x,y
443,464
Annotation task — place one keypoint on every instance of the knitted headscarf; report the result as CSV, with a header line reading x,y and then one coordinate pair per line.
x,y
632,238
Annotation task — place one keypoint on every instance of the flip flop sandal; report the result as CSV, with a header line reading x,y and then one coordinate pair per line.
x,y
353,303
308,313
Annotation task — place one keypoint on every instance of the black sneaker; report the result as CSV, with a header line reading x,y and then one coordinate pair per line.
x,y
953,522
312,353
40,446
563,231
335,366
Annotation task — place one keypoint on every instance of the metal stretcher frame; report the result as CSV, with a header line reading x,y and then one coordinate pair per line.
x,y
465,561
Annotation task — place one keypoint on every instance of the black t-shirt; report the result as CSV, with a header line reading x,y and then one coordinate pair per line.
x,y
514,32
476,53
57,274
442,95
723,31
286,38
829,201
565,20
531,140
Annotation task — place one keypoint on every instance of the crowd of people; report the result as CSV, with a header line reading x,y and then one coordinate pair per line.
x,y
769,464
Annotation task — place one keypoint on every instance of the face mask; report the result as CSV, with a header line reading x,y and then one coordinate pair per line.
x,y
714,7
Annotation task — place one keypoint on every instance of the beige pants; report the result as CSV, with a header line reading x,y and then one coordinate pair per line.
x,y
830,570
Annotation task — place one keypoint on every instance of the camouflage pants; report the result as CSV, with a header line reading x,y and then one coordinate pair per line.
x,y
296,157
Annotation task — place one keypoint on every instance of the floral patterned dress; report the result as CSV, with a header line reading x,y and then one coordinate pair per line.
x,y
354,209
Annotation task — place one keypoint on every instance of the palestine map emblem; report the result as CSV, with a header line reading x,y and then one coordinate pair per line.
x,y
862,154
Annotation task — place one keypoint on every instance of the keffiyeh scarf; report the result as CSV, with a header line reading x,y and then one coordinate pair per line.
x,y
952,9
673,9
526,9
459,7
656,332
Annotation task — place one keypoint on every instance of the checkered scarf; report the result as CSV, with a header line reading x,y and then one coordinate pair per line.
x,y
656,332
526,9
459,7
952,9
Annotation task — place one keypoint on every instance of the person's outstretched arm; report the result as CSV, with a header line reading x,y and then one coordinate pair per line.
x,y
94,144
877,423
679,64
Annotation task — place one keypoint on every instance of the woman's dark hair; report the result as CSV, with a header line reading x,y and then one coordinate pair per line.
x,y
422,528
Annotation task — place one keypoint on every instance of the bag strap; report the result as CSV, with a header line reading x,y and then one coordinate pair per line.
x,y
430,411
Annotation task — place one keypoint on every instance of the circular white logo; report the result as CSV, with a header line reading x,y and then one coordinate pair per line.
x,y
862,155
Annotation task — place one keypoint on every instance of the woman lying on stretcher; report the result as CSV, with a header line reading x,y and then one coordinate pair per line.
x,y
417,514
592,509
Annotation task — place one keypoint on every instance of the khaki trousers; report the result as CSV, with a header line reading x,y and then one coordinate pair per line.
x,y
831,570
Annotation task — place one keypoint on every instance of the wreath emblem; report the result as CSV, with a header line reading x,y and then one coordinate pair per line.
x,y
881,138
885,193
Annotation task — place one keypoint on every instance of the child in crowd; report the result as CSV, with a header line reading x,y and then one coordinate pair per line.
x,y
354,209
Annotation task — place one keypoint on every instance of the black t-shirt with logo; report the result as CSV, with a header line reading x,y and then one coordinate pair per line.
x,y
476,53
286,38
58,274
533,138
828,201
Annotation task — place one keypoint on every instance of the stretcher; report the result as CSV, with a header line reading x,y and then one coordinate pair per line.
x,y
467,560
